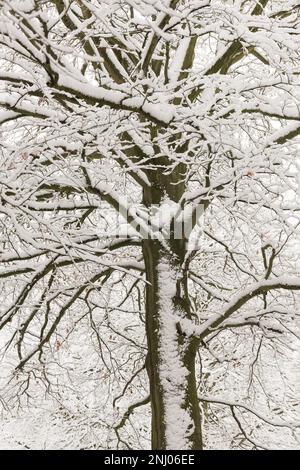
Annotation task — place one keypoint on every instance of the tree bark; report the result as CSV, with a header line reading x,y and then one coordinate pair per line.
x,y
176,422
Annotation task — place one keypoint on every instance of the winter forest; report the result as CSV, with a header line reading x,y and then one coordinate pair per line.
x,y
150,224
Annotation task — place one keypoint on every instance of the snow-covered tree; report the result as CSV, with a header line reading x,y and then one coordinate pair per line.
x,y
149,187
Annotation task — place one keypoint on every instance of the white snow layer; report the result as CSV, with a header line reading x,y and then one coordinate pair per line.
x,y
173,374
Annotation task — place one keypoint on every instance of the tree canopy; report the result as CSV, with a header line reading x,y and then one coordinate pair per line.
x,y
116,112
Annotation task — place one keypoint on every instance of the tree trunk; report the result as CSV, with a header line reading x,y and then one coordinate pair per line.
x,y
176,422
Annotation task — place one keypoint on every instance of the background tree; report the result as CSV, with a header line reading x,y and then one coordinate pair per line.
x,y
122,107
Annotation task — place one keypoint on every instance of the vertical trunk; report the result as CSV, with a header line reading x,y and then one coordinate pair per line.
x,y
176,420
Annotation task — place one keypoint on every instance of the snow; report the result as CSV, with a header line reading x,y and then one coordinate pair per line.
x,y
283,133
29,108
23,5
6,116
160,112
173,375
285,282
177,62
